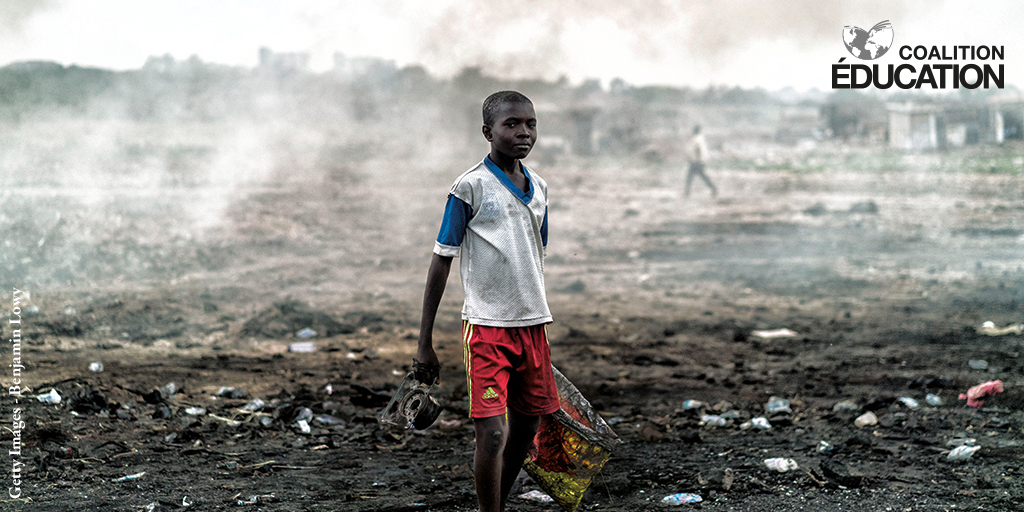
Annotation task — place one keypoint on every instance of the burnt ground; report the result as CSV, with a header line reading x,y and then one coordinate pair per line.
x,y
883,273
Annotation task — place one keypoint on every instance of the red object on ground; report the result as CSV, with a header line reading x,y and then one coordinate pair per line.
x,y
975,395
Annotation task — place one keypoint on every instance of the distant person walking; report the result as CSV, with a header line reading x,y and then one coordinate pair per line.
x,y
698,154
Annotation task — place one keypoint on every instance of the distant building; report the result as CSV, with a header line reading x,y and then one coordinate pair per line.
x,y
913,126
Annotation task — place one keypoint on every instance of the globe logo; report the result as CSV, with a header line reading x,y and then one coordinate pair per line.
x,y
868,44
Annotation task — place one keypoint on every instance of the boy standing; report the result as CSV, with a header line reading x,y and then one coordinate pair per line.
x,y
496,221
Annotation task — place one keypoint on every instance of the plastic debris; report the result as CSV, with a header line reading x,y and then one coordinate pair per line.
x,y
933,399
692,404
538,496
168,390
129,478
326,419
231,392
761,423
195,411
978,364
266,421
866,419
781,465
774,334
302,346
713,420
573,445
254,405
306,333
976,394
990,329
909,402
253,500
825,447
328,389
151,506
185,502
303,426
53,397
227,421
96,367
963,452
845,405
777,405
961,441
681,498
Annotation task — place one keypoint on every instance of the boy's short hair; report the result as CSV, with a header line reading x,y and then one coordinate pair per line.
x,y
494,102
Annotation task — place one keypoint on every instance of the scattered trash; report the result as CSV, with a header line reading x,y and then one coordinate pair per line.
x,y
845,405
976,394
185,502
681,498
825,447
254,500
195,411
866,419
777,405
129,478
538,496
266,421
169,438
716,478
990,329
231,392
731,415
909,402
774,334
303,426
781,465
963,452
713,420
326,419
978,364
933,399
961,441
303,414
151,506
692,404
254,405
759,422
227,421
96,367
53,397
302,346
168,390
306,333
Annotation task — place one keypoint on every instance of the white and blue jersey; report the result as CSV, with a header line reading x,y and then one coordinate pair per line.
x,y
501,235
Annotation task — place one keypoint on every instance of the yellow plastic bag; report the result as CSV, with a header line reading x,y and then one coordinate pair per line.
x,y
571,447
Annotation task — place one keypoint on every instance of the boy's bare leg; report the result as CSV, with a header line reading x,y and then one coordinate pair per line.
x,y
491,434
521,431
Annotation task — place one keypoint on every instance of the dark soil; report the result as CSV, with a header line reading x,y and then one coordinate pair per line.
x,y
885,280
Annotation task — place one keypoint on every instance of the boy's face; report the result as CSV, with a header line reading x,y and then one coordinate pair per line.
x,y
514,131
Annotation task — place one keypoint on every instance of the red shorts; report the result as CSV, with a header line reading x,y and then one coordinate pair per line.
x,y
508,367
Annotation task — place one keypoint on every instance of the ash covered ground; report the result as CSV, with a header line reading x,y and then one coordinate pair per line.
x,y
883,264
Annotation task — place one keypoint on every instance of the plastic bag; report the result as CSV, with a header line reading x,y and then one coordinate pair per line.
x,y
571,447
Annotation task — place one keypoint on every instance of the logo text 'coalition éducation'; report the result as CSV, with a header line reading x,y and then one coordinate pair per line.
x,y
875,42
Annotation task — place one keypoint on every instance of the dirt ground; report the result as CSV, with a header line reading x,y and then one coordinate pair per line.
x,y
883,272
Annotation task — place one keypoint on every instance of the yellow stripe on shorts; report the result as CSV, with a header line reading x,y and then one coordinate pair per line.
x,y
467,333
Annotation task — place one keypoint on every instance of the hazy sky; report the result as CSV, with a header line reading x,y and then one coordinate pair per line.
x,y
692,42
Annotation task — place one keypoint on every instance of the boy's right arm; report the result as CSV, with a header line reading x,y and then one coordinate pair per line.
x,y
437,279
